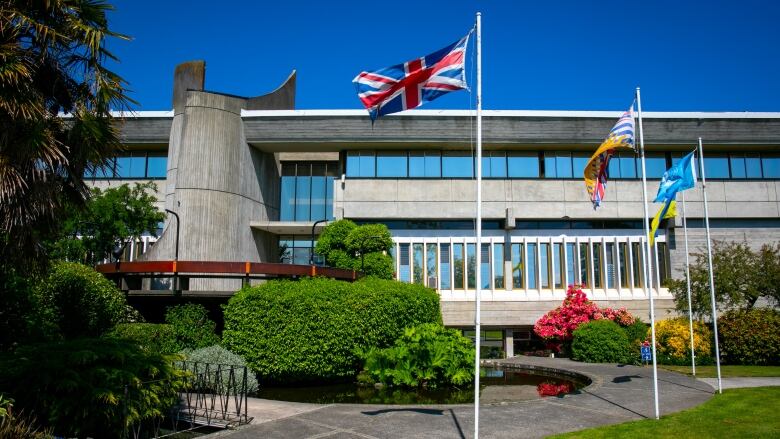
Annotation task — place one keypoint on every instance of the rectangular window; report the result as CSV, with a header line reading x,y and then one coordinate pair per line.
x,y
471,259
404,274
417,263
445,267
156,166
570,261
584,264
531,258
523,165
457,164
391,164
494,164
597,265
637,250
353,164
430,266
287,207
425,164
753,166
498,266
131,167
303,199
319,193
458,267
663,262
716,166
770,164
557,260
623,258
544,258
484,262
737,165
655,164
579,160
563,167
627,165
610,265
517,266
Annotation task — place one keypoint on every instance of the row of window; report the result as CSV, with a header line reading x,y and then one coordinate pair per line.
x,y
138,164
307,191
548,164
533,265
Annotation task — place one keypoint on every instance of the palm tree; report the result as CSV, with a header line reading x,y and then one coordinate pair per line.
x,y
56,97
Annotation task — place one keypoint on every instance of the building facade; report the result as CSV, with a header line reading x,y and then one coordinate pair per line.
x,y
252,178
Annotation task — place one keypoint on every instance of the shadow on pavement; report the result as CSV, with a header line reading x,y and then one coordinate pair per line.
x,y
421,411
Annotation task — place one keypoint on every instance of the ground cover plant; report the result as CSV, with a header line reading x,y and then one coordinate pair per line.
x,y
312,329
737,413
427,355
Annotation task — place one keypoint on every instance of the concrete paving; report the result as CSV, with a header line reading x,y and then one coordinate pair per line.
x,y
618,394
737,382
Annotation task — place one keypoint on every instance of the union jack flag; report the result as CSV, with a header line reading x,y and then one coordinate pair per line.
x,y
596,171
408,85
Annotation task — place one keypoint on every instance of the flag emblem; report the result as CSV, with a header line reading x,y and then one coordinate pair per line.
x,y
409,85
596,171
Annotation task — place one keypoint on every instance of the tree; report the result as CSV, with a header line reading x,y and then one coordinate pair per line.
x,y
346,245
52,63
110,217
742,276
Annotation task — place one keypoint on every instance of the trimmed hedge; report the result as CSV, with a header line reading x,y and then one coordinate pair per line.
x,y
750,337
600,341
314,328
151,337
191,326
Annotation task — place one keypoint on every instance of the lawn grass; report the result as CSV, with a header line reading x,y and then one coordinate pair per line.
x,y
737,413
727,371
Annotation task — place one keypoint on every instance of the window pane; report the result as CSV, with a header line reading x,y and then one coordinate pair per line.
x,y
655,164
570,263
613,169
498,266
433,164
531,258
663,261
737,167
550,170
416,164
404,274
353,164
584,265
329,182
771,165
318,197
484,262
544,259
494,165
287,203
523,165
579,160
563,165
627,163
716,167
636,260
445,266
457,260
391,164
130,167
611,270
623,260
471,256
303,199
367,164
457,165
517,266
753,166
430,266
156,166
557,260
597,265
418,263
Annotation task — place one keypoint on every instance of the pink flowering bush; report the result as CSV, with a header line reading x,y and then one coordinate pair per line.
x,y
558,325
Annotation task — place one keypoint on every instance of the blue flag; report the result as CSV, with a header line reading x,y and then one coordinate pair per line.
x,y
677,178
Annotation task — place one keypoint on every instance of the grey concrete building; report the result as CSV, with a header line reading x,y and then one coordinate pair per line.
x,y
249,177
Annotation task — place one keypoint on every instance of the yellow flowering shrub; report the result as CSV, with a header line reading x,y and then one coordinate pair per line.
x,y
672,338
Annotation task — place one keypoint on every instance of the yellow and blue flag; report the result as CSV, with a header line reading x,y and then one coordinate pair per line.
x,y
669,210
677,178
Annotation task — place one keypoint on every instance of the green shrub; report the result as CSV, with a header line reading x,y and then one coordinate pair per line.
x,y
80,302
218,355
77,387
191,326
152,337
346,245
600,341
636,333
311,329
427,355
750,337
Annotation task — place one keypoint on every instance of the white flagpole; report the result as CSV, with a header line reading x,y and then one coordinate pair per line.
x,y
648,253
688,280
478,268
709,259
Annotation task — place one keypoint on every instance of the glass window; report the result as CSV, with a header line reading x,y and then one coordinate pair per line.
x,y
716,166
458,268
445,267
550,170
367,164
623,259
752,166
404,274
637,252
611,270
544,258
655,164
287,207
570,257
579,160
303,199
457,164
353,164
417,164
663,261
471,259
156,167
531,258
584,264
737,165
391,164
517,266
627,162
131,167
417,262
771,165
484,262
557,260
430,265
318,197
498,266
597,265
523,165
494,164
563,165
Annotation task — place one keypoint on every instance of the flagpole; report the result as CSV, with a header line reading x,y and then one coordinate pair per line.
x,y
478,268
688,281
648,253
709,260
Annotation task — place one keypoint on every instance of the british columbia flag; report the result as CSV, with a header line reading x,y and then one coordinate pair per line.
x,y
408,85
596,171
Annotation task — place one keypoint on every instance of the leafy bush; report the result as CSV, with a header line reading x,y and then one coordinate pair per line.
x,y
77,387
218,355
636,333
297,331
346,245
427,355
191,326
673,341
21,316
152,337
80,302
600,341
750,337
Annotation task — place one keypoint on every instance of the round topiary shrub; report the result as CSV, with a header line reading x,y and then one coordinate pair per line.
x,y
600,341
313,329
673,341
750,337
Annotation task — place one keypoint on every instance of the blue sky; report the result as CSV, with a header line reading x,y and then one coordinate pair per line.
x,y
537,55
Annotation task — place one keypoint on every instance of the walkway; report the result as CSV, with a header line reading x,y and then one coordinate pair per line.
x,y
618,394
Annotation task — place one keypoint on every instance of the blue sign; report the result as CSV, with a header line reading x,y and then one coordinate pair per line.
x,y
646,355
